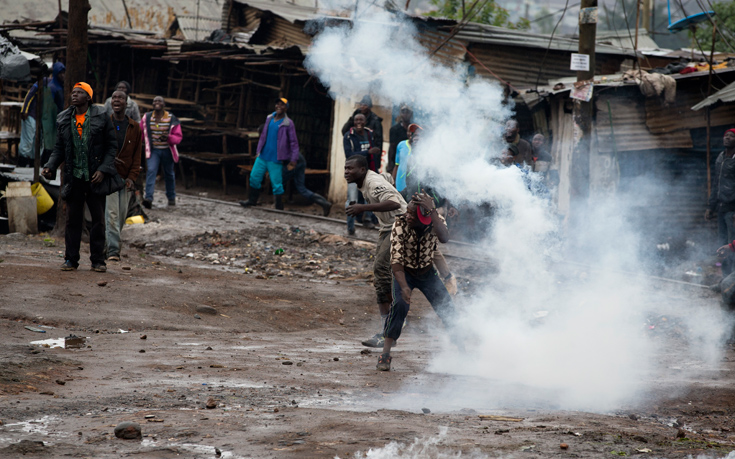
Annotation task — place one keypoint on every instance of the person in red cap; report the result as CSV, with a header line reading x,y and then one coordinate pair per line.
x,y
413,242
87,145
722,196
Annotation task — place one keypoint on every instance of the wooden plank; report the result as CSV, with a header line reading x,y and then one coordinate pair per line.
x,y
488,417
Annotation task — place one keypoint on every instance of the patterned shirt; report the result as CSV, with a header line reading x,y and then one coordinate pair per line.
x,y
410,248
159,128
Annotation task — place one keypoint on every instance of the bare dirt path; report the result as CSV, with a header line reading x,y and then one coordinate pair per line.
x,y
202,309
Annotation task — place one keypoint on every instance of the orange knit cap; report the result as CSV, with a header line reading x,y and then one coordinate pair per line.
x,y
87,88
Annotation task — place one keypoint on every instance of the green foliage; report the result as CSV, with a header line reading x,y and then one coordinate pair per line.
x,y
489,13
725,19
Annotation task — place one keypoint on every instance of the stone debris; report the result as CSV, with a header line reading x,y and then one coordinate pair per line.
x,y
128,431
204,309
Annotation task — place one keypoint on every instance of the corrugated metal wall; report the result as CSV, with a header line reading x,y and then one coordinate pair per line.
x,y
663,119
629,124
520,66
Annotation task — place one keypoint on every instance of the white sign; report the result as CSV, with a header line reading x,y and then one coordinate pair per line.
x,y
580,62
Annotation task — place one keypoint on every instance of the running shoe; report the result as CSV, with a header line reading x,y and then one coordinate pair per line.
x,y
384,362
376,341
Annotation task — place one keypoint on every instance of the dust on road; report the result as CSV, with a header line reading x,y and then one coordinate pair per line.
x,y
203,309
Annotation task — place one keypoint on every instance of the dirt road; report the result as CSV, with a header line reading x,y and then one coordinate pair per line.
x,y
219,345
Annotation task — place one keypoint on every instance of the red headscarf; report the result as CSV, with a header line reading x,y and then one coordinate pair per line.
x,y
730,130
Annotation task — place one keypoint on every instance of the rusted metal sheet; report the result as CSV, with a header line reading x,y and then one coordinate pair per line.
x,y
282,34
151,15
629,125
197,28
520,66
662,119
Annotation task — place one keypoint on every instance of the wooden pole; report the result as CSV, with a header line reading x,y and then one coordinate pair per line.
x,y
579,173
707,113
76,71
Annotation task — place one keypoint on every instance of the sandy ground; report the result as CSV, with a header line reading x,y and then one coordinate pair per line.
x,y
202,311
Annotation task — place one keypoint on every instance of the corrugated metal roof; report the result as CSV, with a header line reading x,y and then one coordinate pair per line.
x,y
623,38
200,28
298,10
520,66
151,15
726,94
662,119
629,126
282,34
482,33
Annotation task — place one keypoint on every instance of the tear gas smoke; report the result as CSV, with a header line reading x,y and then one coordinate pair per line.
x,y
591,351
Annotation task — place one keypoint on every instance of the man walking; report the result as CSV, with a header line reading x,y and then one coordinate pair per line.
x,y
298,174
161,134
277,146
86,145
127,163
722,197
414,238
385,202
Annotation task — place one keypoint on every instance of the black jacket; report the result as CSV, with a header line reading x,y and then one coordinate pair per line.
x,y
723,185
102,148
372,122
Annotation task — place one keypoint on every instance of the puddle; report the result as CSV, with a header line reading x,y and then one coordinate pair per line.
x,y
70,342
51,343
34,426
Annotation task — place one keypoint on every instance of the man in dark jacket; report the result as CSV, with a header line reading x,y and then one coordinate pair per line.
x,y
86,144
129,147
372,122
358,141
722,197
52,96
518,151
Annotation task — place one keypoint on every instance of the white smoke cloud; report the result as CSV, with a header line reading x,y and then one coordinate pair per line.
x,y
420,448
593,349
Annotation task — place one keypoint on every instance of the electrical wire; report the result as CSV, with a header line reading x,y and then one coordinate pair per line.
x,y
709,17
548,47
553,14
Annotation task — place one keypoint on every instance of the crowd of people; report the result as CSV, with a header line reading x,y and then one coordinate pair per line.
x,y
107,149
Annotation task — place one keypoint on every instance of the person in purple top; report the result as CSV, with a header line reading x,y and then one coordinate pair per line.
x,y
278,145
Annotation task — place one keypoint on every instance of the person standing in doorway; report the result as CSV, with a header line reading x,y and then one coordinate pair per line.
x,y
127,163
722,196
161,134
358,141
277,146
86,144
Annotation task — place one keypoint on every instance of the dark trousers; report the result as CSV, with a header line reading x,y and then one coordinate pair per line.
x,y
433,289
299,177
725,230
81,193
